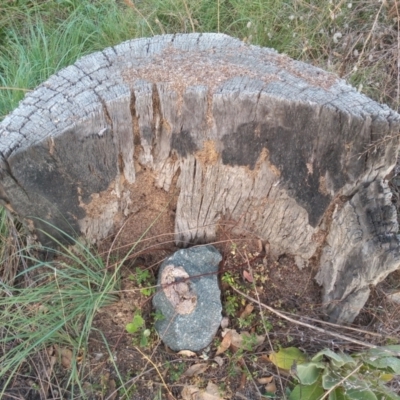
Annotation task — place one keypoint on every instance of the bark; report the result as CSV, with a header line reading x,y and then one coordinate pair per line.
x,y
231,131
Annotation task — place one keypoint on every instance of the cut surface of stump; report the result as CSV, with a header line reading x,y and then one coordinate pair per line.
x,y
209,129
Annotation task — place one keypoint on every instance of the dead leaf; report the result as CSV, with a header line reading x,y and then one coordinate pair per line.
x,y
65,355
211,392
47,371
111,389
190,392
234,340
248,276
224,322
246,341
219,361
265,380
226,342
243,380
187,353
247,311
195,369
271,387
50,351
264,358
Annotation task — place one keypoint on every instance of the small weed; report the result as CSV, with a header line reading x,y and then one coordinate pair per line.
x,y
136,324
175,370
157,316
231,305
228,278
249,342
233,368
247,322
143,278
137,328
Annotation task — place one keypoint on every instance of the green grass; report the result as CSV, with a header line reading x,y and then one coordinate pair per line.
x,y
49,37
37,38
51,303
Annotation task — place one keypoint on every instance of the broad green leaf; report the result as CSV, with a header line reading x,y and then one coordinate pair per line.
x,y
337,394
147,291
136,324
360,394
307,392
330,379
356,389
285,358
384,351
338,359
308,373
386,377
325,352
384,363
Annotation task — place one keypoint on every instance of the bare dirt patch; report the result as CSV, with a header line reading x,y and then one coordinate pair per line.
x,y
276,282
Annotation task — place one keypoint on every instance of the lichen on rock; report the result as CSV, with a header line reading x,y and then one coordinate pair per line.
x,y
178,289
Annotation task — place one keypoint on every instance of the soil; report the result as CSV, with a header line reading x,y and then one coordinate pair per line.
x,y
117,365
277,282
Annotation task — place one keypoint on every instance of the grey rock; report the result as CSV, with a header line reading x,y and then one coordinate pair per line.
x,y
192,305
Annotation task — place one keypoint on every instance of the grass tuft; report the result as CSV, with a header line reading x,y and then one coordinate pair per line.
x,y
56,309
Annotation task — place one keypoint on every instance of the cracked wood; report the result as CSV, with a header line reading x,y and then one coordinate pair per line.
x,y
241,133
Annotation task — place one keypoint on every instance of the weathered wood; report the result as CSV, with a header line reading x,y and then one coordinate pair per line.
x,y
231,131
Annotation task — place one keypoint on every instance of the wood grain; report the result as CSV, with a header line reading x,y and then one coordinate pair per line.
x,y
240,132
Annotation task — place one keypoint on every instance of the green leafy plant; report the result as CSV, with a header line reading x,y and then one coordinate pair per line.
x,y
143,278
247,321
137,328
136,324
231,305
157,315
361,376
175,370
228,278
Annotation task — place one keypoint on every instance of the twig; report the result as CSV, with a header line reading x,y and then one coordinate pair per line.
x,y
339,383
130,4
189,16
158,371
264,325
279,314
398,53
132,380
368,37
114,240
15,88
344,327
218,19
243,362
377,143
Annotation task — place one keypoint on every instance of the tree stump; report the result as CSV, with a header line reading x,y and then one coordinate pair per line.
x,y
214,129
